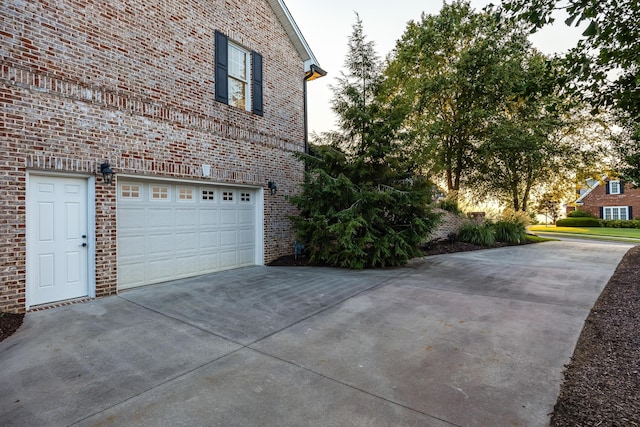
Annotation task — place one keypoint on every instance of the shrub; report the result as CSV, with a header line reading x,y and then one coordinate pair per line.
x,y
578,222
359,226
481,234
513,232
621,223
449,205
580,214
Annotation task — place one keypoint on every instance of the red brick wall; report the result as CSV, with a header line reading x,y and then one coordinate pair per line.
x,y
598,197
133,83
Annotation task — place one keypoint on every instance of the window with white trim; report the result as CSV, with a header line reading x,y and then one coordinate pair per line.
x,y
614,187
159,192
185,194
227,196
128,191
615,212
239,93
208,195
245,197
238,75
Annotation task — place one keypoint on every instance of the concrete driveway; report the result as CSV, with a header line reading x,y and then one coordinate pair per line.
x,y
468,339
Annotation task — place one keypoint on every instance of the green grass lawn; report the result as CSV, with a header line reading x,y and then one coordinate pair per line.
x,y
628,233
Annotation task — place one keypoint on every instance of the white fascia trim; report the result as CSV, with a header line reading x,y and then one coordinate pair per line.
x,y
290,26
591,188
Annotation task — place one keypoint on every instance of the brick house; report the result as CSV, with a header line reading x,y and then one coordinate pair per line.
x,y
609,199
197,107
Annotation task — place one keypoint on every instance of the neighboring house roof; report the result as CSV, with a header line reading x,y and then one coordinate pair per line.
x,y
310,62
592,184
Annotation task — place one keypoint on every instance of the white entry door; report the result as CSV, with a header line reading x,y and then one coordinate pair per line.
x,y
57,239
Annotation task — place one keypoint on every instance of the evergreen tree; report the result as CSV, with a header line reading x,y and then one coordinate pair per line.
x,y
361,205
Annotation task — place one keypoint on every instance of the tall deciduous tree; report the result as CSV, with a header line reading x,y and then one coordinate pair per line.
x,y
443,69
603,67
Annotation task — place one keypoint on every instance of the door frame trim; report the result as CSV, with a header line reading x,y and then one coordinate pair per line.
x,y
91,229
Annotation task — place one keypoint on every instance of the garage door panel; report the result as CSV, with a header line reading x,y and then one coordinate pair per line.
x,y
228,238
186,265
160,218
130,218
209,262
134,274
228,259
246,217
161,268
208,217
130,246
162,239
246,236
160,244
228,217
186,241
186,218
246,256
208,240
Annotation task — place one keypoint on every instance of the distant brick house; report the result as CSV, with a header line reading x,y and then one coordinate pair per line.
x,y
197,106
609,199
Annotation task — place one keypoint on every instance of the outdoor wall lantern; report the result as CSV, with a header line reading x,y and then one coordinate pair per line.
x,y
273,187
107,173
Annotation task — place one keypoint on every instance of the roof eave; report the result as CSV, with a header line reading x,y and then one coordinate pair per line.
x,y
290,26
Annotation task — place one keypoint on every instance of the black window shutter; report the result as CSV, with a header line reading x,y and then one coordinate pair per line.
x,y
222,68
621,186
601,212
256,83
607,190
630,212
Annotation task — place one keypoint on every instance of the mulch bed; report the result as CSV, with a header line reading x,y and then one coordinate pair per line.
x,y
9,323
602,382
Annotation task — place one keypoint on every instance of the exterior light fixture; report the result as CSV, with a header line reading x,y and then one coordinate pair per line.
x,y
273,187
107,173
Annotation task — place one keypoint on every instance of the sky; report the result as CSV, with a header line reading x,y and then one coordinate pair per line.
x,y
326,26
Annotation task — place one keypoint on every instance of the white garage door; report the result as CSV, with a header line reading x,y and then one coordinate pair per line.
x,y
168,231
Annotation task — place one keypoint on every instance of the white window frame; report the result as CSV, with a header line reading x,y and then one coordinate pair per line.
x,y
127,191
614,184
237,78
162,190
208,195
615,212
246,197
228,196
185,194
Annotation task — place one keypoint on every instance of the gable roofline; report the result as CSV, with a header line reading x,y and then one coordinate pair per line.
x,y
604,178
290,26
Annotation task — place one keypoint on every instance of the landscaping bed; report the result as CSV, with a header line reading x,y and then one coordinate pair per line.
x,y
602,382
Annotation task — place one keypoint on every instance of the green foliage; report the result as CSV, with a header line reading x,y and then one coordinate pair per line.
x,y
441,72
511,227
361,205
477,233
537,239
361,226
620,223
578,222
580,214
603,66
450,205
